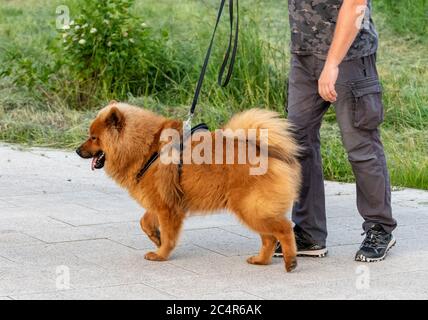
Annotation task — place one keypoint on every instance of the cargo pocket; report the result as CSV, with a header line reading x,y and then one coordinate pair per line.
x,y
367,106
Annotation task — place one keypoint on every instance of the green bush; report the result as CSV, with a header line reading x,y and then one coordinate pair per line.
x,y
111,53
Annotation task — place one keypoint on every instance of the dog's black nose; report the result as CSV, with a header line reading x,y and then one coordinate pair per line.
x,y
79,152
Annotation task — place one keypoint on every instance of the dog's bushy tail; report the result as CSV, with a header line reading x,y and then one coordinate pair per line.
x,y
281,144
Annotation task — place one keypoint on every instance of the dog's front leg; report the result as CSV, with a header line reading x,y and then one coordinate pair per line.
x,y
150,225
170,225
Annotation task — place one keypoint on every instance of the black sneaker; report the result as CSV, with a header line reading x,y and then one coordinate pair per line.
x,y
305,247
376,245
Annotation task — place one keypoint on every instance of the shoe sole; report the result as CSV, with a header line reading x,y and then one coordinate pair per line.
x,y
321,253
362,258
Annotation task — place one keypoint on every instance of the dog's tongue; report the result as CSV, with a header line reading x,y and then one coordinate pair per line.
x,y
93,163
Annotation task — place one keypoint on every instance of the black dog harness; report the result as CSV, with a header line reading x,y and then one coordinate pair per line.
x,y
155,156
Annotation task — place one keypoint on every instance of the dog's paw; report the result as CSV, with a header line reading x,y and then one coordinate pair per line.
x,y
291,264
257,260
153,256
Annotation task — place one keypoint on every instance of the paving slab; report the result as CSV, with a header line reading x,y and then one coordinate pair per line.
x,y
120,292
67,232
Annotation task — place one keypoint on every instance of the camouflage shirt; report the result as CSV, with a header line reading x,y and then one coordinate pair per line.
x,y
312,24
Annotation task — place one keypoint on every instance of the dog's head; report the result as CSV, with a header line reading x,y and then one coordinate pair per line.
x,y
120,135
103,132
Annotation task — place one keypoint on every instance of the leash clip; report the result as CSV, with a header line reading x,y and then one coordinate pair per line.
x,y
188,125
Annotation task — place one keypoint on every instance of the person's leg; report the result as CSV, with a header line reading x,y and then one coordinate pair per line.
x,y
359,112
305,111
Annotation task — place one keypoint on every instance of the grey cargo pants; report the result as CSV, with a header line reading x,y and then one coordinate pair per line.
x,y
359,111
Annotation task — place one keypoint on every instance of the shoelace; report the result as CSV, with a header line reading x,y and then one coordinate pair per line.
x,y
373,238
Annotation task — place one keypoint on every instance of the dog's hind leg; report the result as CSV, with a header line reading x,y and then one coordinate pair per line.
x,y
170,225
266,251
150,225
276,228
283,231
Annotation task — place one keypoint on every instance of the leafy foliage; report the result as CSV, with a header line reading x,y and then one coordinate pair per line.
x,y
112,52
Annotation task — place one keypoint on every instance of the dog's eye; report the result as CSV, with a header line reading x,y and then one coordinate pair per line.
x,y
93,138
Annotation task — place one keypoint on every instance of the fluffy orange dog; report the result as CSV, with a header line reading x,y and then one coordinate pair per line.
x,y
124,137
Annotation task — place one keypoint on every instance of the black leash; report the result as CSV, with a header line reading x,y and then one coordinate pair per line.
x,y
230,53
229,59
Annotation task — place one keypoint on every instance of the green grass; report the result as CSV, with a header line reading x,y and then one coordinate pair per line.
x,y
42,115
406,153
407,17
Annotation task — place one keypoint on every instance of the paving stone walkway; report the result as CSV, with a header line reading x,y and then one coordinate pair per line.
x,y
69,233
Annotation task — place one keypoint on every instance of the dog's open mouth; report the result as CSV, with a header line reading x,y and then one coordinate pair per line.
x,y
98,160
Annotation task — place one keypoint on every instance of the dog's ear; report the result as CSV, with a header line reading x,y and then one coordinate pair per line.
x,y
115,119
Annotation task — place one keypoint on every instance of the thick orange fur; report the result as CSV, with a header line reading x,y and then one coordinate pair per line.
x,y
129,135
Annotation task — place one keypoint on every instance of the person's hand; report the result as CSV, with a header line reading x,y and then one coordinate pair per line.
x,y
327,82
